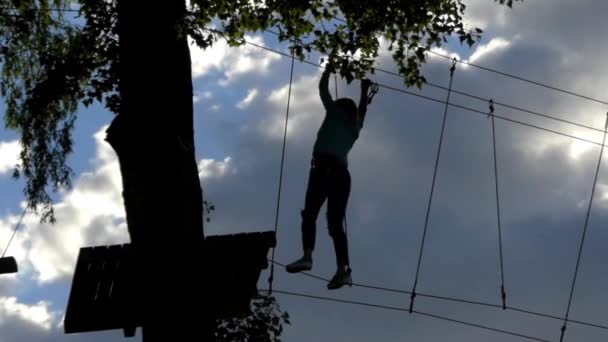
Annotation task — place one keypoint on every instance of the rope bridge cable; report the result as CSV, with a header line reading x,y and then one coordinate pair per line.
x,y
472,110
428,210
503,293
456,91
14,232
276,219
457,300
519,78
582,243
479,98
505,105
469,109
395,308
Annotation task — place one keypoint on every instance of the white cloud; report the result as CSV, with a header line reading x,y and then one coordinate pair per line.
x,y
202,95
231,61
91,213
305,109
9,155
251,95
38,314
211,168
495,45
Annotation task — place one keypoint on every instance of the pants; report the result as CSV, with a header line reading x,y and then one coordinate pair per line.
x,y
329,179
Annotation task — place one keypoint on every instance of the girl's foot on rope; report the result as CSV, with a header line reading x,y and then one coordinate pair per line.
x,y
341,278
300,265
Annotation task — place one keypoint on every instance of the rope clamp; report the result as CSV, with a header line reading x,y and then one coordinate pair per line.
x,y
453,68
491,106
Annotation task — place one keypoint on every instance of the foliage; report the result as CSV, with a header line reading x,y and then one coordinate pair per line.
x,y
263,324
51,65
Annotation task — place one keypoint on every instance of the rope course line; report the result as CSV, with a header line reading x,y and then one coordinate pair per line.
x,y
276,219
469,109
447,104
436,168
394,308
582,243
518,122
503,293
456,300
14,232
482,99
519,78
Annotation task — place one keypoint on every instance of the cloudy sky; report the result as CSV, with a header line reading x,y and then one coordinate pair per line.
x,y
240,101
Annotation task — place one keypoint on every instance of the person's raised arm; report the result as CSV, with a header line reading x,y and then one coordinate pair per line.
x,y
363,100
324,87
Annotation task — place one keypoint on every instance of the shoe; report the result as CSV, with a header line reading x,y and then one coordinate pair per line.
x,y
300,265
341,278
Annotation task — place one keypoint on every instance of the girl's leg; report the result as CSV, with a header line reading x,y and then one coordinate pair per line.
x,y
339,192
316,193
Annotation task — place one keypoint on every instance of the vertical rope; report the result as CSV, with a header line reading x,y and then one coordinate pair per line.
x,y
14,232
498,216
428,211
276,218
580,249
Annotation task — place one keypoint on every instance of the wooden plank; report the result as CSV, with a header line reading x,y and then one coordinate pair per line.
x,y
8,265
106,294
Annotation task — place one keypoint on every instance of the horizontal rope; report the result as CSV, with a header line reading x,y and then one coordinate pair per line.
x,y
394,308
457,300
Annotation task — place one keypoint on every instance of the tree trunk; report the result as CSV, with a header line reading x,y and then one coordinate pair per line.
x,y
154,141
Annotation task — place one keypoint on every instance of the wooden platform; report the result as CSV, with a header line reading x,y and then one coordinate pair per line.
x,y
8,265
106,290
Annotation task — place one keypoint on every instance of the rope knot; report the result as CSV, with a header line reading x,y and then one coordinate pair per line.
x,y
504,298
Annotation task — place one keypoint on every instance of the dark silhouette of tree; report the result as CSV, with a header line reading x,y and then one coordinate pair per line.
x,y
133,57
263,324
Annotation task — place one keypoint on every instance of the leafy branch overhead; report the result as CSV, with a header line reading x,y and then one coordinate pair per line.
x,y
52,65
